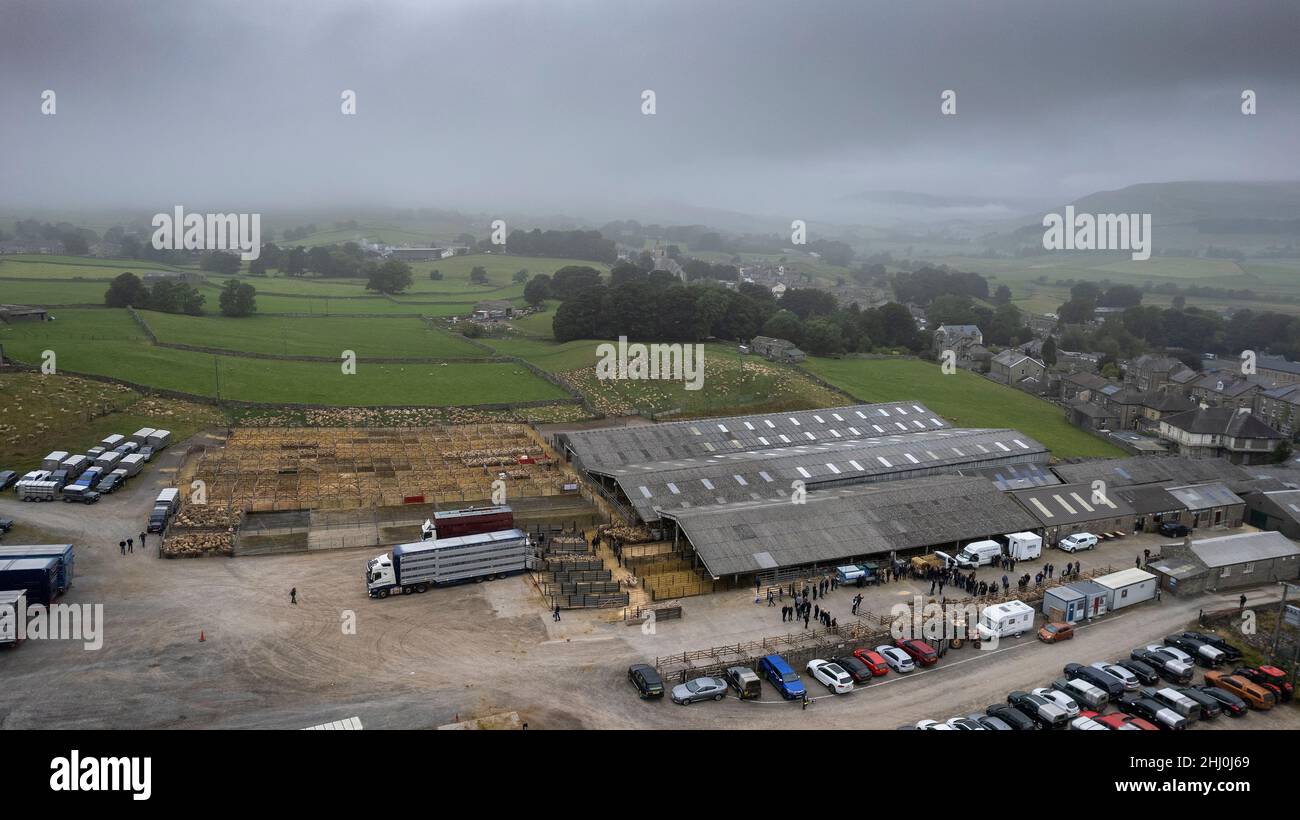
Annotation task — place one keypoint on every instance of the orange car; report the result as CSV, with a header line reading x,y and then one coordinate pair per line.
x,y
1257,696
1056,631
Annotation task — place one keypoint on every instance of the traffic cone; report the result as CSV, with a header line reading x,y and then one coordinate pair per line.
x,y
201,638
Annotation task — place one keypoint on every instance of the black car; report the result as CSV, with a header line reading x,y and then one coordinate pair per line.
x,y
1141,670
1171,530
6,524
1169,667
1201,652
109,483
646,680
1232,705
1011,716
6,478
1039,709
1109,684
1210,707
1230,653
858,670
1151,711
993,723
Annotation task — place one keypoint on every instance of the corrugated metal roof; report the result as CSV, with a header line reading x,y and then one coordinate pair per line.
x,y
1227,550
843,522
1148,470
1204,496
1070,504
1016,476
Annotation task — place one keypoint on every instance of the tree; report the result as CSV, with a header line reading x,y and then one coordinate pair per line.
x,y
570,280
220,262
435,275
238,299
478,275
579,317
1283,453
126,289
394,276
257,267
784,325
521,276
170,296
538,289
1002,296
822,337
1049,352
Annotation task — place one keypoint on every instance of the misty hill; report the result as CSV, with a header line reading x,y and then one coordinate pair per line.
x,y
1172,203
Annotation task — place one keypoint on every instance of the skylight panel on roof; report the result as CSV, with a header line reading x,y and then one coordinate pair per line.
x,y
708,485
645,491
784,438
672,488
958,452
1046,512
804,472
860,415
883,461
762,441
749,426
741,480
837,417
769,423
809,436
882,411
900,425
695,430
794,421
918,408
819,419
723,428
854,431
832,468
836,433
1002,446
1064,504
1020,444
858,467
1081,502
763,475
1123,473
920,424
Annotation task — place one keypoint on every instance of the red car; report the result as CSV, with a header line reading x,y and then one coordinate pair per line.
x,y
873,661
1119,720
1269,677
920,651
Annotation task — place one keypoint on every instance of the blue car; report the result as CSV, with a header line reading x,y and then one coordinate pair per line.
x,y
780,675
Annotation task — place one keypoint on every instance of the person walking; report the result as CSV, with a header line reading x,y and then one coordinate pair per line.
x,y
293,596
805,620
130,546
555,615
142,535
771,599
122,546
1242,602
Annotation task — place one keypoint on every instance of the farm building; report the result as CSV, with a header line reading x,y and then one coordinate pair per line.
x,y
23,313
1065,509
1222,431
681,465
1016,476
1278,510
153,277
1212,505
776,350
1154,505
1227,562
1119,472
493,309
836,525
417,254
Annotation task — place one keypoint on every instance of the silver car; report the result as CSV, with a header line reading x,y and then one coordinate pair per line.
x,y
895,658
699,689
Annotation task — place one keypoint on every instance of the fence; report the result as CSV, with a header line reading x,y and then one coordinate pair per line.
x,y
796,647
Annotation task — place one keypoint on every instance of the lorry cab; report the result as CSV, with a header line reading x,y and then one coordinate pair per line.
x,y
978,554
379,576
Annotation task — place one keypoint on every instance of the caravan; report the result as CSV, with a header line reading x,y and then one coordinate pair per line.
x,y
1010,618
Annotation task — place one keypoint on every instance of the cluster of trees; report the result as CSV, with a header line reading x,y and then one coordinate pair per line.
x,y
393,276
922,286
656,306
1003,325
1086,297
76,241
237,299
700,269
562,245
166,295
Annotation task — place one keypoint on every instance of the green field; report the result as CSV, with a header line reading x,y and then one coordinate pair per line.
x,y
963,398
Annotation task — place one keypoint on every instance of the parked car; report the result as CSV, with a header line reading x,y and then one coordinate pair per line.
x,y
993,723
1204,654
1170,529
1142,670
1067,704
933,725
919,650
859,671
646,680
1087,723
1078,541
1257,696
965,724
1269,677
1175,651
1154,712
109,483
897,659
1230,653
1126,678
831,675
1123,722
1231,704
147,452
699,689
780,675
874,661
1111,685
6,524
1012,716
1056,631
1040,709
1210,706
745,681
1083,692
1167,665
6,478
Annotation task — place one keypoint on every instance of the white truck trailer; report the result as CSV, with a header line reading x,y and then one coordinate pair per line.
x,y
1023,546
54,460
132,464
415,567
141,436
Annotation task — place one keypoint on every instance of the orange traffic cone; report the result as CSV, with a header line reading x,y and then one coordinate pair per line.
x,y
201,638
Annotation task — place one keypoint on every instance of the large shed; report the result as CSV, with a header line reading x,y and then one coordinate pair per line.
x,y
1065,509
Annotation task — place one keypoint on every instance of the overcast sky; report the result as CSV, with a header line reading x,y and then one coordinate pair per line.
x,y
762,107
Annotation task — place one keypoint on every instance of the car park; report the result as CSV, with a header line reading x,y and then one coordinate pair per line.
x,y
859,671
1067,704
1271,678
780,675
1142,670
965,724
993,723
1078,541
1230,653
920,651
1087,724
1171,529
1082,692
1252,693
1056,631
1126,678
745,681
1039,709
1210,706
646,680
831,675
1154,712
1166,664
699,689
1110,684
874,661
897,659
1123,722
1202,652
1232,705
7,478
1012,716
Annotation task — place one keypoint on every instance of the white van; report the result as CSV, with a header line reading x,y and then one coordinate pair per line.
x,y
1009,618
978,554
1024,546
1078,541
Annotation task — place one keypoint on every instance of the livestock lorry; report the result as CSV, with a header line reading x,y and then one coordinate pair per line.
x,y
63,553
469,521
437,561
38,576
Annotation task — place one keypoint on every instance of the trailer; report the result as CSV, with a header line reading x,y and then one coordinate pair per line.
x,y
13,611
141,436
54,460
132,464
75,465
435,562
38,576
469,521
126,448
45,490
169,498
63,553
159,439
1024,546
110,442
108,460
1065,603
